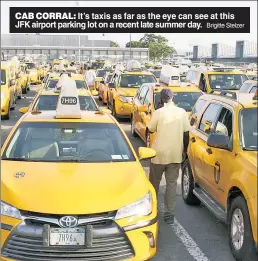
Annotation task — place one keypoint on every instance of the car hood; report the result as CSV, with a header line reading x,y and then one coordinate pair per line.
x,y
72,188
127,91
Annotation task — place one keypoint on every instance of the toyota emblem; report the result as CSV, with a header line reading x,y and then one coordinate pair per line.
x,y
68,221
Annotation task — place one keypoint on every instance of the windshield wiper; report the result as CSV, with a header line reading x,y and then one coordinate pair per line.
x,y
22,159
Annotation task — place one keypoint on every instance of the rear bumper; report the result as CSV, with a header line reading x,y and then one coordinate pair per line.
x,y
108,242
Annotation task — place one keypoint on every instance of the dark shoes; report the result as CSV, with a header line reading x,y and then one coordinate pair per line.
x,y
169,219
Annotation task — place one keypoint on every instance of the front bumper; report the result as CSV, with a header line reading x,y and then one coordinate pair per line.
x,y
106,240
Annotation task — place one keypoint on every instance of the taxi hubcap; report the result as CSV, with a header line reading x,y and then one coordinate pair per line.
x,y
186,182
237,229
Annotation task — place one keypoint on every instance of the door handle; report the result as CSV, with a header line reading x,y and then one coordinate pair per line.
x,y
209,151
217,165
193,139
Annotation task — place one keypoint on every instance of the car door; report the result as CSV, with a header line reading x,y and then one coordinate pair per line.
x,y
202,156
223,163
135,105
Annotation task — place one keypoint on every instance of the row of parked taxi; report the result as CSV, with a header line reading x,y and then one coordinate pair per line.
x,y
91,177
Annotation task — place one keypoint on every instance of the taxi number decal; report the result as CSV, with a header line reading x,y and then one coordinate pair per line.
x,y
69,100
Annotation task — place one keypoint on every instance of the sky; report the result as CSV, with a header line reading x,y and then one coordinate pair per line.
x,y
182,42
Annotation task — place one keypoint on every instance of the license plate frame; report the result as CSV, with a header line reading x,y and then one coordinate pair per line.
x,y
67,236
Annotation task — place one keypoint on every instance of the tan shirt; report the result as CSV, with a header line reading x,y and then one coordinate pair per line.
x,y
170,122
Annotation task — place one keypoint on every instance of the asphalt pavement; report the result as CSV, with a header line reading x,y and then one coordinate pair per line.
x,y
195,236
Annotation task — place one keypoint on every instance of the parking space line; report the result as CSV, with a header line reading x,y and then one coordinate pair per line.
x,y
188,242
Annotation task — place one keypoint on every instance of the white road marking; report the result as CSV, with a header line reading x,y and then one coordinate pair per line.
x,y
188,242
6,127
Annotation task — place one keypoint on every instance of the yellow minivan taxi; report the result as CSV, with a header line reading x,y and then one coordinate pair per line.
x,y
73,186
122,91
34,73
147,101
221,168
216,79
8,95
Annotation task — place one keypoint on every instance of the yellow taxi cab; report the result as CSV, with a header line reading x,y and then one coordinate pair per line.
x,y
147,101
219,79
103,87
100,73
16,68
156,72
25,79
252,74
123,88
8,91
98,64
72,186
34,73
221,168
249,86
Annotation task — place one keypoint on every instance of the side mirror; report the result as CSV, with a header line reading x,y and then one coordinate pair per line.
x,y
146,153
111,85
12,82
106,111
218,140
24,110
193,120
94,93
143,108
102,82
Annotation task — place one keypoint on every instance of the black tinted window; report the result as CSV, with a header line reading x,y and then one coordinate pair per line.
x,y
3,77
209,118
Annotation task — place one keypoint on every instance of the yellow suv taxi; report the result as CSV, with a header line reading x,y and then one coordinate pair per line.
x,y
72,186
123,89
208,80
34,72
100,73
147,101
221,168
8,90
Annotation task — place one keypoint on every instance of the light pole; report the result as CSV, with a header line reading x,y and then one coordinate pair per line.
x,y
130,46
79,39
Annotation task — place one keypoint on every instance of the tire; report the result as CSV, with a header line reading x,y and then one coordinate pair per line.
x,y
100,98
7,116
246,251
24,91
187,185
134,134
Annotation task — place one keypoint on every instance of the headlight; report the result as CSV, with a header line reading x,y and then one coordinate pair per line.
x,y
141,207
10,211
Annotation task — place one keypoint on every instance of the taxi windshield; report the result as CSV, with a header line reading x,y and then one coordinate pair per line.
x,y
135,81
49,103
184,100
3,77
248,128
31,66
97,65
227,81
156,74
68,142
101,73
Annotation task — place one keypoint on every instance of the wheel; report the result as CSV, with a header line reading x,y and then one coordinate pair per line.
x,y
7,116
148,139
100,98
240,231
134,134
187,185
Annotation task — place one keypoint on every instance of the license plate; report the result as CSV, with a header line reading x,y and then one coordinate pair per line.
x,y
67,236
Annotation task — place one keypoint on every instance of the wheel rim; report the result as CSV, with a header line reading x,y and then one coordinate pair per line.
x,y
186,182
237,229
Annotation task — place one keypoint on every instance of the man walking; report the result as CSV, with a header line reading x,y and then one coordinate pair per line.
x,y
90,78
171,125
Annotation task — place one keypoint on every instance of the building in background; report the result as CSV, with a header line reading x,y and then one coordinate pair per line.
x,y
52,46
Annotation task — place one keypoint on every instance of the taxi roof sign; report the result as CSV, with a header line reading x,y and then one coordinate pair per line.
x,y
133,65
68,106
170,75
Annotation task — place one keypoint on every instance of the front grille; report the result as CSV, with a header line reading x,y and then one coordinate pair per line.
x,y
109,242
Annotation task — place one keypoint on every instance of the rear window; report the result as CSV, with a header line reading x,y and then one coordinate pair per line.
x,y
156,74
31,65
135,81
49,103
184,100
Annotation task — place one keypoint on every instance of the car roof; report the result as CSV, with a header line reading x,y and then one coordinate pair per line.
x,y
245,100
86,116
